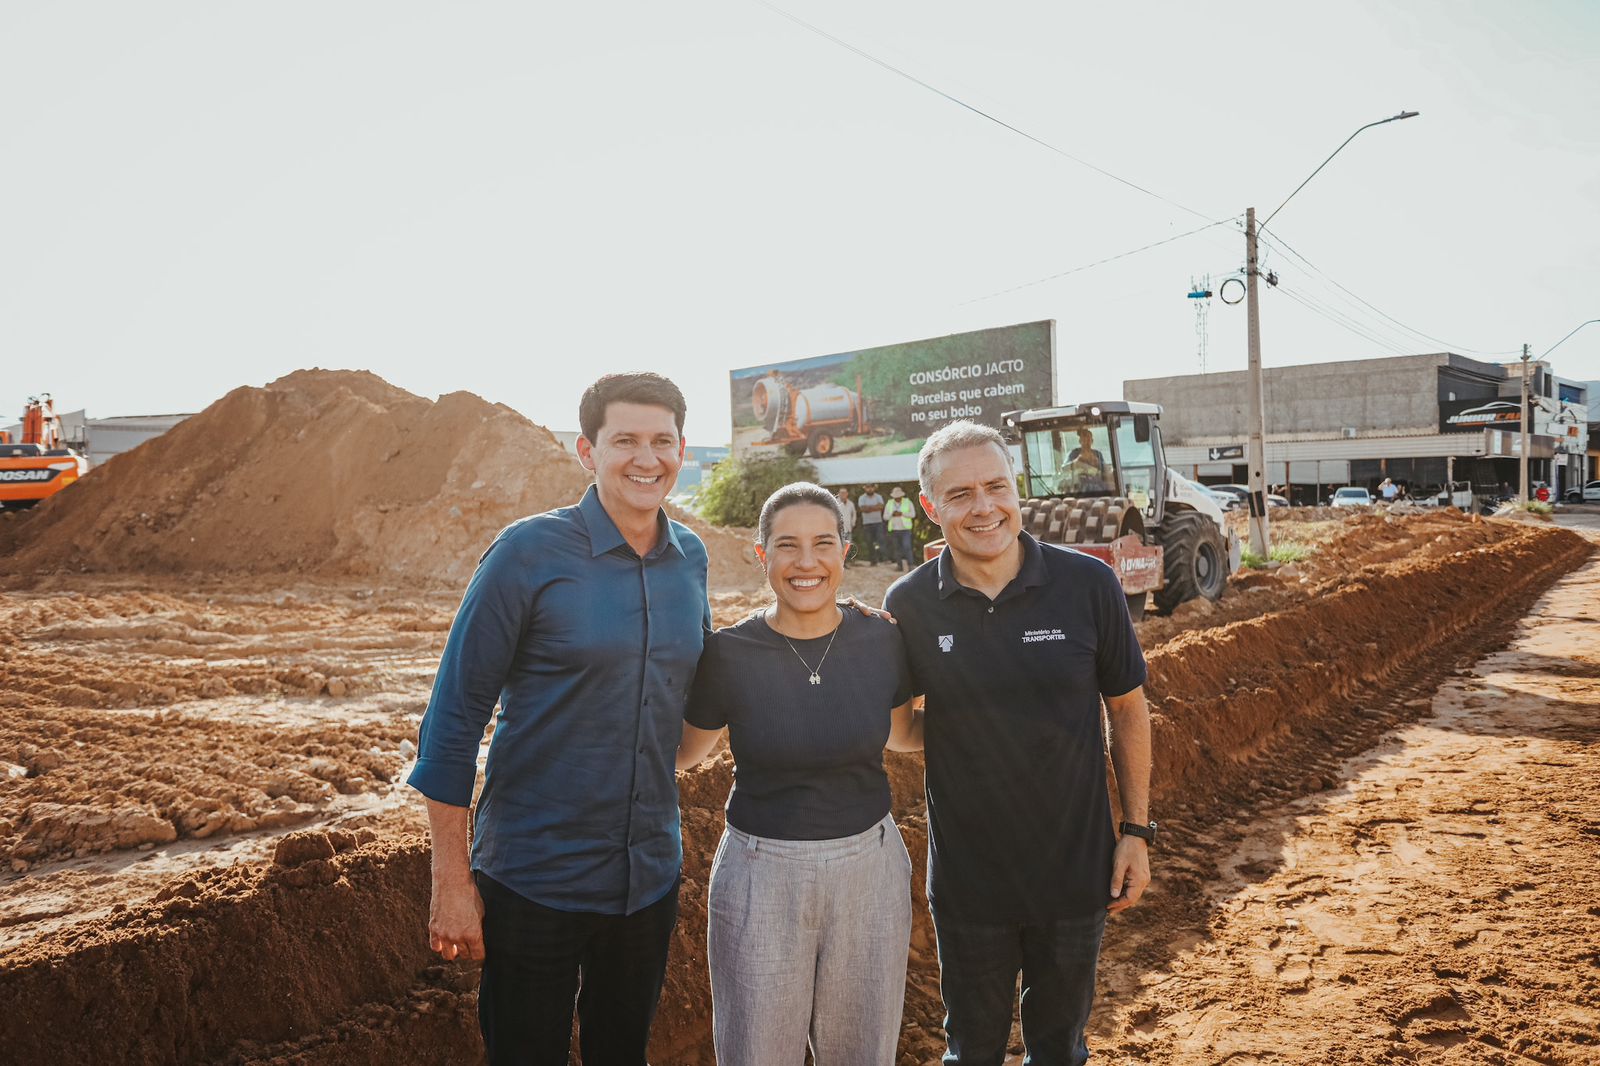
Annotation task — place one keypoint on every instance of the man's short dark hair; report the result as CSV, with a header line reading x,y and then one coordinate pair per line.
x,y
643,387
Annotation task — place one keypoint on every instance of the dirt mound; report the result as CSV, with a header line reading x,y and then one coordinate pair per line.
x,y
231,957
322,471
1223,696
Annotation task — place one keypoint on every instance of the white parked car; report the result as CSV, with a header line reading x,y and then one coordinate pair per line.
x,y
1349,496
1589,493
1237,496
1230,497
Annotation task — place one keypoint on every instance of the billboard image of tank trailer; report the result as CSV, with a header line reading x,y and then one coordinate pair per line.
x,y
808,421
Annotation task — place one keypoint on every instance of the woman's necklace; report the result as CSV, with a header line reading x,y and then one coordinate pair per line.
x,y
816,673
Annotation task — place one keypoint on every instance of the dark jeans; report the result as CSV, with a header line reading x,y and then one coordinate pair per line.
x,y
872,541
534,957
900,542
978,967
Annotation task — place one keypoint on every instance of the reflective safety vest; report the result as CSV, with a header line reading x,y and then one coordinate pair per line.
x,y
899,513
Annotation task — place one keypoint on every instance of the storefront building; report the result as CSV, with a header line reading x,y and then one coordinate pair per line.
x,y
1419,420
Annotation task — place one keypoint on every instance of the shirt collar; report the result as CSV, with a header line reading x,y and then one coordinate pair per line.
x,y
1032,574
604,536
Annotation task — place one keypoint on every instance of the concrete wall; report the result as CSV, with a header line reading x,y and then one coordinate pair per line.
x,y
1395,395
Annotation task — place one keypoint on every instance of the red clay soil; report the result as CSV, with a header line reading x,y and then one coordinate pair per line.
x,y
320,472
319,957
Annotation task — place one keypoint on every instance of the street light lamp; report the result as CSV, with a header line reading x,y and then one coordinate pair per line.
x,y
1568,337
1256,456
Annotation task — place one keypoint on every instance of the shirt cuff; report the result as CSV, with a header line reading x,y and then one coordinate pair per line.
x,y
446,782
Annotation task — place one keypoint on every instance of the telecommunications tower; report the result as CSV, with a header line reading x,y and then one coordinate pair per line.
x,y
1200,293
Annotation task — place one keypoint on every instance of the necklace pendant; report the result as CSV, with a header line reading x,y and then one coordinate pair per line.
x,y
816,679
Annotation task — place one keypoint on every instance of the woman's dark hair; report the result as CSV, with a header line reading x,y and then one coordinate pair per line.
x,y
643,387
797,493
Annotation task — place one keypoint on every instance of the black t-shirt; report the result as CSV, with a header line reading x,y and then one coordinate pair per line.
x,y
808,759
1019,817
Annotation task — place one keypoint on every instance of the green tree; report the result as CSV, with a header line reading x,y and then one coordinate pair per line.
x,y
736,488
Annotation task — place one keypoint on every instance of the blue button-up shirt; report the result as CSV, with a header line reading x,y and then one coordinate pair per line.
x,y
590,651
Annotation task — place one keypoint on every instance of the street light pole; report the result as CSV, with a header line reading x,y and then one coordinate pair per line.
x,y
1256,454
1524,419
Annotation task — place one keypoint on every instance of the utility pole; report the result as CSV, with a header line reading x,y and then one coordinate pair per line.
x,y
1523,419
1256,454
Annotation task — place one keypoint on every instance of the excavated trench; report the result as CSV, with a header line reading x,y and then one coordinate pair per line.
x,y
319,957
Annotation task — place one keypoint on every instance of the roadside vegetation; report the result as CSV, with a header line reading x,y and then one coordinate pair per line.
x,y
1285,551
736,488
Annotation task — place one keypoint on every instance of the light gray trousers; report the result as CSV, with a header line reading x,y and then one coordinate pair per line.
x,y
808,938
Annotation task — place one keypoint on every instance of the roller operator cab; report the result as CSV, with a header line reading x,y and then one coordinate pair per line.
x,y
1094,477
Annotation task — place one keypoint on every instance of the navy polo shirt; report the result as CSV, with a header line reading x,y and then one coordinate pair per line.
x,y
1019,816
590,650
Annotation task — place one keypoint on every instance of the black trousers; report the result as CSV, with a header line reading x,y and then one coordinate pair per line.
x,y
537,959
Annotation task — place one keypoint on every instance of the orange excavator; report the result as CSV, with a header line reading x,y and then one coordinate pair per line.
x,y
40,464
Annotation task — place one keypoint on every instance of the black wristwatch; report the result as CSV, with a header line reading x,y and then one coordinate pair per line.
x,y
1147,833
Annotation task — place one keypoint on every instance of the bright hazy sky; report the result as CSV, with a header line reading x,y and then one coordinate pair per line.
x,y
513,198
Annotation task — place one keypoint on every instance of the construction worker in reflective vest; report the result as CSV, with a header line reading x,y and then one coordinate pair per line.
x,y
898,514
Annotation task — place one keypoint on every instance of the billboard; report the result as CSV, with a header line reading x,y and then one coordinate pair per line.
x,y
886,401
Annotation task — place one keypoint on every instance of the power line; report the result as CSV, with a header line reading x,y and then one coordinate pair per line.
x,y
1097,262
1342,321
1380,331
1285,246
975,110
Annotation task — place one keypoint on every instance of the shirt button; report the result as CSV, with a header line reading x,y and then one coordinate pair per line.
x,y
991,608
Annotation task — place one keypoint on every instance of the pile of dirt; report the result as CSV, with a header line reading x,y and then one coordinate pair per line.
x,y
325,472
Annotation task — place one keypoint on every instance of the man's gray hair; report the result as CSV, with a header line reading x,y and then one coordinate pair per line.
x,y
954,436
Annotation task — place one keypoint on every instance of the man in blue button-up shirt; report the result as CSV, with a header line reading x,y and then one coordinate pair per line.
x,y
585,624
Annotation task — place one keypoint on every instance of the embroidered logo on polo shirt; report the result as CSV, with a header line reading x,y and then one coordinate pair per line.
x,y
1033,636
946,642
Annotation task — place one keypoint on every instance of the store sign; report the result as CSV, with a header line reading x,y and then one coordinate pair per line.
x,y
1470,416
886,401
1567,424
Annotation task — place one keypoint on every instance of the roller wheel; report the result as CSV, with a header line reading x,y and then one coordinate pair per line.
x,y
1102,521
1195,559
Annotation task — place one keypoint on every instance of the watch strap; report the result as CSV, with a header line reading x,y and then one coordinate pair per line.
x,y
1134,829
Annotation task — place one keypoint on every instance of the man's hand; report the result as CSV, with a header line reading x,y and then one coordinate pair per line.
x,y
869,610
455,921
1130,873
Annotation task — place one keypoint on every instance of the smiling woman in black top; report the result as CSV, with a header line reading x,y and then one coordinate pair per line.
x,y
810,903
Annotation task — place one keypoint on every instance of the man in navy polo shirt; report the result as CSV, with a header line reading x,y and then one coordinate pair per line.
x,y
585,623
1015,644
